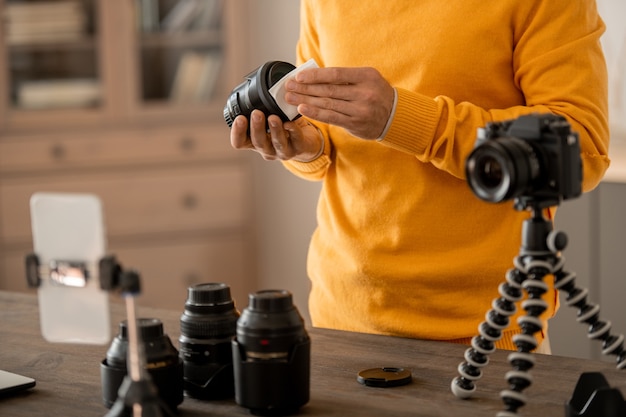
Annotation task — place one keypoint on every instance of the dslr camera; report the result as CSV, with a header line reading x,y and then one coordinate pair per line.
x,y
534,159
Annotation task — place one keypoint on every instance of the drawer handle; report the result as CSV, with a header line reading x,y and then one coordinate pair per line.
x,y
57,151
190,201
187,144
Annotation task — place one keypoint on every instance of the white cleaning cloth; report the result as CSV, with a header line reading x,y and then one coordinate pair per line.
x,y
278,90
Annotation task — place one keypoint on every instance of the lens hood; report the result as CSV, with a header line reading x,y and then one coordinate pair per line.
x,y
271,355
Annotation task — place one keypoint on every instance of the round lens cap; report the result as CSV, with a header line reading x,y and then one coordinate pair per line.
x,y
384,377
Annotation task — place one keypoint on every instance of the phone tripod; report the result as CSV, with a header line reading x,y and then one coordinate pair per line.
x,y
137,395
539,256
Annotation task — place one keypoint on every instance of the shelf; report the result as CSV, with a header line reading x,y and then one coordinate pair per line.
x,y
120,110
86,43
198,38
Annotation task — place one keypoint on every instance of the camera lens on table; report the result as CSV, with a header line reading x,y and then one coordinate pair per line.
x,y
162,362
271,355
207,328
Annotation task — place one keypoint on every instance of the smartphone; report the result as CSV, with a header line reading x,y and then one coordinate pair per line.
x,y
11,383
69,241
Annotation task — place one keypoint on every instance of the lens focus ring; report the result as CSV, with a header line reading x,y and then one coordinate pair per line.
x,y
214,328
209,312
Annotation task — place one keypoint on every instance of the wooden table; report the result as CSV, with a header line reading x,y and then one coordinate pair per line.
x,y
68,376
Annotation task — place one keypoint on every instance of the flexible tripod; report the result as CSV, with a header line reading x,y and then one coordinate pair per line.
x,y
538,257
137,395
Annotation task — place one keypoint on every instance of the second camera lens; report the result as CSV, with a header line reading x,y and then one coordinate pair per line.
x,y
207,327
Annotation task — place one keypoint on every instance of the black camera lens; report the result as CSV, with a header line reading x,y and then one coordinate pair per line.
x,y
254,93
498,170
162,362
271,355
207,328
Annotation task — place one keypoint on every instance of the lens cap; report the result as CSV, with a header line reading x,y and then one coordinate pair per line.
x,y
384,377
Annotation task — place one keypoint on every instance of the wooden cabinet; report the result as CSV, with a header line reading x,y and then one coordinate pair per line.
x,y
124,99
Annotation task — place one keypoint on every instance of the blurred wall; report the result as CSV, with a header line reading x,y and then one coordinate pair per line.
x,y
285,205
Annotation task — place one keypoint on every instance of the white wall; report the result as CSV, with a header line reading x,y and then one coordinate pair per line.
x,y
285,205
614,44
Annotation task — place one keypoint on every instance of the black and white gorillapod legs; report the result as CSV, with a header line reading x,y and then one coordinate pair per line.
x,y
539,257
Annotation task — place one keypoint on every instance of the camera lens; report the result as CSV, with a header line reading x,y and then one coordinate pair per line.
x,y
502,168
271,355
162,362
254,93
207,328
490,174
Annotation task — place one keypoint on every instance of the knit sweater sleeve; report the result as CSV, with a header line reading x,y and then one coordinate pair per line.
x,y
558,66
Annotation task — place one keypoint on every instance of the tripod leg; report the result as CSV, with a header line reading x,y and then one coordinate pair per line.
x,y
590,314
522,360
490,331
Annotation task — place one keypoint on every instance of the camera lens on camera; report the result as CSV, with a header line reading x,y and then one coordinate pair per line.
x,y
501,169
162,362
271,355
207,328
254,93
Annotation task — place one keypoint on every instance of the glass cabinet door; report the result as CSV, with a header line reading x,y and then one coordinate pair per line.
x,y
180,51
51,53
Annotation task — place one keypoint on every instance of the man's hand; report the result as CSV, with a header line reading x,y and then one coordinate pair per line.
x,y
297,140
358,99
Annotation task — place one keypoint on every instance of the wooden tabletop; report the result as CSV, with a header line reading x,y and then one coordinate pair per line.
x,y
68,376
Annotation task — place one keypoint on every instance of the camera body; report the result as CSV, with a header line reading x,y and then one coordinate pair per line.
x,y
534,159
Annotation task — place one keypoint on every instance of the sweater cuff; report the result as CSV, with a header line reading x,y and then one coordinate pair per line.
x,y
414,123
391,116
321,161
312,166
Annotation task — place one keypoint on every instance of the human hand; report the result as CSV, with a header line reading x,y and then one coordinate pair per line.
x,y
358,99
298,140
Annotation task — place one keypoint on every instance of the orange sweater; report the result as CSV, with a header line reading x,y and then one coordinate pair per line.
x,y
402,246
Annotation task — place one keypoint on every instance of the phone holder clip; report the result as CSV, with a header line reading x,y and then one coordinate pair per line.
x,y
77,274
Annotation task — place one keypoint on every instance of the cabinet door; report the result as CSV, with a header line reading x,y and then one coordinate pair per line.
x,y
157,203
55,64
178,54
169,267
